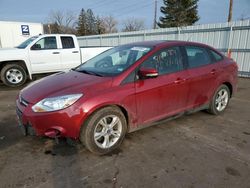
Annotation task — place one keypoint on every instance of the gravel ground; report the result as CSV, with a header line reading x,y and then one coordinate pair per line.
x,y
198,150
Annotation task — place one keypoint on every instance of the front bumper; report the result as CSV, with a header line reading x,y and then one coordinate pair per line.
x,y
25,129
66,122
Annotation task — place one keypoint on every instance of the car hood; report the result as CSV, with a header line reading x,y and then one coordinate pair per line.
x,y
12,54
64,83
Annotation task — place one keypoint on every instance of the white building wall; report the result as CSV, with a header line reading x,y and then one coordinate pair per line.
x,y
11,33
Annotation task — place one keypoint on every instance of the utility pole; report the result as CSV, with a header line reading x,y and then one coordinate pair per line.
x,y
230,11
155,14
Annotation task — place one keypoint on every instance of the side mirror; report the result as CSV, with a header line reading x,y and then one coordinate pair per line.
x,y
148,73
36,47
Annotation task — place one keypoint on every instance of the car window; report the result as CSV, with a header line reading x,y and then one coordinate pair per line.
x,y
115,60
216,56
67,42
197,56
166,61
46,43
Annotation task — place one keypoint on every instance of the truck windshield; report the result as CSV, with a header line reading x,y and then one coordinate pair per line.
x,y
27,42
113,61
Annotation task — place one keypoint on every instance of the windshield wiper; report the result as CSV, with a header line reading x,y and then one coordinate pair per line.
x,y
89,72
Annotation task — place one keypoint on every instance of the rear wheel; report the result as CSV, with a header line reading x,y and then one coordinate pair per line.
x,y
13,75
220,100
104,131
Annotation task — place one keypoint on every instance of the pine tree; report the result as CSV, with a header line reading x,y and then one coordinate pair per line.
x,y
87,23
178,13
81,24
91,23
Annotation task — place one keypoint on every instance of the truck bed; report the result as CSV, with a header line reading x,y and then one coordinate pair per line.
x,y
90,52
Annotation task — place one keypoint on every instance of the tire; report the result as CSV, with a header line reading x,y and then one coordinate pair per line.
x,y
220,100
13,75
99,136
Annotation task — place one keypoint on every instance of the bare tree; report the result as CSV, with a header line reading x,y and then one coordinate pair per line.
x,y
109,24
65,21
133,24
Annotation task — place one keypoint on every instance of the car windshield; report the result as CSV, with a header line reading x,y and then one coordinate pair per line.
x,y
113,61
27,42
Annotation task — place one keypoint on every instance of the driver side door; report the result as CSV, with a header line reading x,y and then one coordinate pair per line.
x,y
45,56
165,95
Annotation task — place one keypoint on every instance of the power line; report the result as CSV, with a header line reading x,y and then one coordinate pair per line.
x,y
103,4
135,9
126,7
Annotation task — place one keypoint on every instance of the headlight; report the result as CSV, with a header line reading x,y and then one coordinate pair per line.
x,y
55,103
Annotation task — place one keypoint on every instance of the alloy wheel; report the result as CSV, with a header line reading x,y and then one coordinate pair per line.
x,y
108,131
221,100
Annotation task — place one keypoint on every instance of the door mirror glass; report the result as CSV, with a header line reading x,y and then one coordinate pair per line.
x,y
148,73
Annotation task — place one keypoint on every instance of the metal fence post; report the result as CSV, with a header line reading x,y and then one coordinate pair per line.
x,y
230,41
144,35
119,39
179,33
100,40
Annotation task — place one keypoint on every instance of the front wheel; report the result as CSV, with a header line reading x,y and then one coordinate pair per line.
x,y
220,100
104,131
13,75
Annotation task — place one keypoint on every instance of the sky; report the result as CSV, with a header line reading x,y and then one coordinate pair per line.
x,y
210,11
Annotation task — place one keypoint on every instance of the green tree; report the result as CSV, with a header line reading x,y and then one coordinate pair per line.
x,y
81,24
178,13
91,23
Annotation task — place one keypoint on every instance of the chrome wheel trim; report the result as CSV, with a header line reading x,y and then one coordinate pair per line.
x,y
221,100
14,76
107,131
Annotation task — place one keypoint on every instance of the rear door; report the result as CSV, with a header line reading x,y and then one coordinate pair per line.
x,y
70,53
166,94
203,73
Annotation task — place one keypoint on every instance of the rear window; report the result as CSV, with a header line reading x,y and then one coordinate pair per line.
x,y
197,56
216,56
67,42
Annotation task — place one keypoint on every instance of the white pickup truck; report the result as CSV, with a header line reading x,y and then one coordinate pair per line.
x,y
43,54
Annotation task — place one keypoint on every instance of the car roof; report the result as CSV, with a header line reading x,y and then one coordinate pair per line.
x,y
162,43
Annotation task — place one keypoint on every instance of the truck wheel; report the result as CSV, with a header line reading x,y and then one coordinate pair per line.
x,y
104,131
13,75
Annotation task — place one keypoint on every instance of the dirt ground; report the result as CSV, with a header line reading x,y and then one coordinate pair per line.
x,y
198,150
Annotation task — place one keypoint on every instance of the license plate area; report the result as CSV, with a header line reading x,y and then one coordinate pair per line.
x,y
20,122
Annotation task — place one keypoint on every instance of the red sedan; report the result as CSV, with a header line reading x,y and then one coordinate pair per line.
x,y
125,89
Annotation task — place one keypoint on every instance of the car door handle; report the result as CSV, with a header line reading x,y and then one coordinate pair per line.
x,y
213,71
55,52
75,52
179,80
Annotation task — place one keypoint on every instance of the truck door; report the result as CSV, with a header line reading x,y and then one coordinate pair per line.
x,y
70,53
44,55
